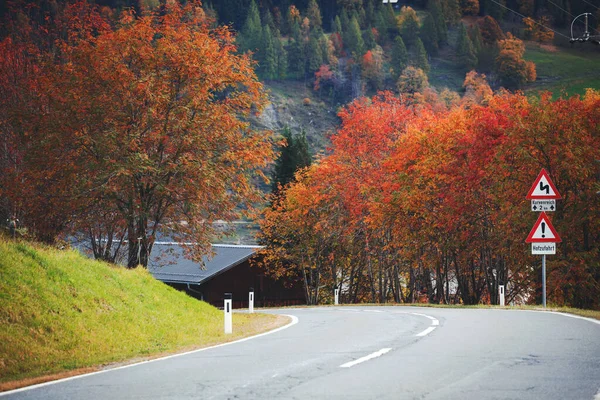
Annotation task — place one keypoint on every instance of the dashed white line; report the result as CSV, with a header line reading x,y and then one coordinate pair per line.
x,y
426,331
365,358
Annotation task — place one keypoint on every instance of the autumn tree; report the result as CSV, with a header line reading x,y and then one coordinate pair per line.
x,y
151,121
469,7
477,90
372,67
490,30
512,69
412,80
537,30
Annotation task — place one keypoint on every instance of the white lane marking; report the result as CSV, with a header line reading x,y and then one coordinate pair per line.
x,y
39,385
426,331
377,311
275,375
366,358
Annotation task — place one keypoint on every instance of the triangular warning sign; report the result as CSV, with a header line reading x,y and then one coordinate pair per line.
x,y
543,231
543,188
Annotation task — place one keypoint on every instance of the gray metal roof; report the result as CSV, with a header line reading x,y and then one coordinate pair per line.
x,y
168,264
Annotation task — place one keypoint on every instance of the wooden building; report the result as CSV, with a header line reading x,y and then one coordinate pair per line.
x,y
229,270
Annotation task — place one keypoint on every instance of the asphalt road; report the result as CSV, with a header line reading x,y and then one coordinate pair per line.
x,y
372,353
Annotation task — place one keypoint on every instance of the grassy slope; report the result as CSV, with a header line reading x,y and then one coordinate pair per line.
x,y
61,311
568,71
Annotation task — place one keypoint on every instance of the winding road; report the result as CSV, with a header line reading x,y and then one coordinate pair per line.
x,y
371,353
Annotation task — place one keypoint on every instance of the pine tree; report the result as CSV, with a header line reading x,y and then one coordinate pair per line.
x,y
493,9
451,11
421,56
409,26
268,64
353,39
251,35
369,14
464,49
429,35
369,39
381,26
441,27
282,58
399,57
293,156
314,57
337,25
476,38
314,16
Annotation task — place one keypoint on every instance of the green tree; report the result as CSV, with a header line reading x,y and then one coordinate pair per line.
x,y
464,49
437,12
452,12
353,40
268,62
337,25
251,35
314,16
493,9
476,38
409,26
421,56
429,35
293,156
399,57
314,56
369,39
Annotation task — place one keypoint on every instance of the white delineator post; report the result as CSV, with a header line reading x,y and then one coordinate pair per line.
x,y
501,294
336,295
227,313
251,301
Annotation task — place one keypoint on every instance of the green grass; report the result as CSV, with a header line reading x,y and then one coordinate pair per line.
x,y
61,311
564,72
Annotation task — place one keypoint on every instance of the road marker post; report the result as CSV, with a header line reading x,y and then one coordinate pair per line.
x,y
336,295
543,237
251,301
501,294
227,313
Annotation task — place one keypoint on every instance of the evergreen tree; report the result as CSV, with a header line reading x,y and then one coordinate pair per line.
x,y
409,26
251,35
369,39
421,56
314,56
399,57
353,39
476,38
441,27
429,35
493,9
369,14
451,11
268,60
381,26
281,57
314,16
337,25
324,47
296,52
345,20
293,156
464,49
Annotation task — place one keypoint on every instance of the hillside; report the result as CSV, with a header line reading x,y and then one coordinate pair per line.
x,y
61,311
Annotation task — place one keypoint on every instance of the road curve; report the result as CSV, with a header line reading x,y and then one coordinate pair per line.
x,y
372,353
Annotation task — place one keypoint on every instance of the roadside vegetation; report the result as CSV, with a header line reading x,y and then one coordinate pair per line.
x,y
61,311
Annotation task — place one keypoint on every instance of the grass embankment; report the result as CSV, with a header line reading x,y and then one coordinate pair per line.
x,y
563,71
60,311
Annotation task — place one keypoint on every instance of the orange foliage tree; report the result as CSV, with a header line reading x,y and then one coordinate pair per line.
x,y
143,122
415,203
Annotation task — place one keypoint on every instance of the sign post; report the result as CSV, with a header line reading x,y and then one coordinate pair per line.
x,y
227,313
336,295
251,301
501,294
543,237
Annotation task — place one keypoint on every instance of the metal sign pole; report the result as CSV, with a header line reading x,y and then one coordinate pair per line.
x,y
544,280
251,301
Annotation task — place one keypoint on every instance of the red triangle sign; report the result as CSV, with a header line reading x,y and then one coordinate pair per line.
x,y
543,231
543,188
